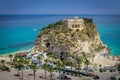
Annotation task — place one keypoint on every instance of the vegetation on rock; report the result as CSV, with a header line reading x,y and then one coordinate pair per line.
x,y
59,39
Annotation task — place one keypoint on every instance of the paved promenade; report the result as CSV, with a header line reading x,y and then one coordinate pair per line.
x,y
40,72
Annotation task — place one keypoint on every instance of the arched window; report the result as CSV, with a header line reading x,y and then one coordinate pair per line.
x,y
72,26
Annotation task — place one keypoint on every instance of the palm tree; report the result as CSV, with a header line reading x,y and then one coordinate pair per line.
x,y
46,61
87,62
34,68
83,54
10,56
71,65
3,62
15,59
79,61
21,62
84,58
50,69
39,58
27,61
49,54
64,62
45,66
16,63
59,65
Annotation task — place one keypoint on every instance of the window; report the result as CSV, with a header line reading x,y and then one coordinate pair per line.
x,y
72,26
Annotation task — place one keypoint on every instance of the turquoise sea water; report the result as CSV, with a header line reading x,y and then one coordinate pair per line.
x,y
16,31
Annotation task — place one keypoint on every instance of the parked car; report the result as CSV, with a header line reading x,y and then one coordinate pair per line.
x,y
90,70
77,68
42,77
17,75
62,76
67,68
100,70
80,75
91,74
113,78
52,64
52,75
107,67
113,70
96,77
68,79
104,70
84,73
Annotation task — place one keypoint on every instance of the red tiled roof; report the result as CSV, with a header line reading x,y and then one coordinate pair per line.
x,y
22,54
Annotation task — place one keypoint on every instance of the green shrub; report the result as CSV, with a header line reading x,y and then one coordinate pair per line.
x,y
118,67
5,68
77,30
56,32
53,25
87,20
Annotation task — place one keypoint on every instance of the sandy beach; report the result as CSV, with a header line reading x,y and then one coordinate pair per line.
x,y
102,60
99,58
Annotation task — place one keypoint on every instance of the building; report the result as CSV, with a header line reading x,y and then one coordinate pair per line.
x,y
74,24
22,54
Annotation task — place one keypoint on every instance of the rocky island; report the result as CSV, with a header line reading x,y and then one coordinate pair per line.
x,y
74,36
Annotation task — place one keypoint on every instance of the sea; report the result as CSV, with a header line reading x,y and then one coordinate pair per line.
x,y
18,32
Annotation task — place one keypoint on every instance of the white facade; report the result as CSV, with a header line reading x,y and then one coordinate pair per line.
x,y
75,23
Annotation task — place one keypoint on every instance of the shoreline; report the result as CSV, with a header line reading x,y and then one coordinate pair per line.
x,y
7,59
13,53
104,52
104,58
99,57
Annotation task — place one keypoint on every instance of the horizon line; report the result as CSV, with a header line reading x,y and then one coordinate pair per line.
x,y
59,14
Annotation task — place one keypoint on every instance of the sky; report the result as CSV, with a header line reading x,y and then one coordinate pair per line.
x,y
59,6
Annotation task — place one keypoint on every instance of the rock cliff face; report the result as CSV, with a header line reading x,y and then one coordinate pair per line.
x,y
58,39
